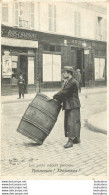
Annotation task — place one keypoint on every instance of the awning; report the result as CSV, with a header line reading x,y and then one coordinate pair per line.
x,y
19,42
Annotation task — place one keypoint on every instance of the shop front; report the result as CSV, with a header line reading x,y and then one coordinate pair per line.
x,y
56,51
18,50
41,58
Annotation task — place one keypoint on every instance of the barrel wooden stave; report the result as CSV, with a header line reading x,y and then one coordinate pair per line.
x,y
42,100
39,118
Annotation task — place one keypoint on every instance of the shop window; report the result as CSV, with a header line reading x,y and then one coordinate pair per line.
x,y
46,47
5,12
100,53
96,52
51,67
14,70
52,47
99,66
58,48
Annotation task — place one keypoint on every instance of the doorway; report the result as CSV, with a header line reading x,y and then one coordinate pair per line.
x,y
24,69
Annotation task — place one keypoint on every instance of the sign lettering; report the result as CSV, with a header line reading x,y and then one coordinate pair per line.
x,y
18,33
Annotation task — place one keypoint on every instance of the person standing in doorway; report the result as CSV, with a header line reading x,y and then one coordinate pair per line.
x,y
79,79
21,86
71,104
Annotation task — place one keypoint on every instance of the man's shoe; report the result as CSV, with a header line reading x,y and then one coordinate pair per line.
x,y
66,143
76,140
69,144
19,98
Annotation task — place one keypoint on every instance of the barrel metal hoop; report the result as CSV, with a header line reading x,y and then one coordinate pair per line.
x,y
36,125
42,110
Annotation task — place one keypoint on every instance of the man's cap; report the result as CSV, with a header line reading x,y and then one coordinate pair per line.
x,y
68,68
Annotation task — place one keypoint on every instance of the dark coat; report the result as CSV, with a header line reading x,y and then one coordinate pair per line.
x,y
21,85
69,95
71,104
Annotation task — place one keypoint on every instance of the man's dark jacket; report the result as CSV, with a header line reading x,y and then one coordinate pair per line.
x,y
69,95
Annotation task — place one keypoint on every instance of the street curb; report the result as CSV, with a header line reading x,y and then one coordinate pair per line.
x,y
95,128
30,99
17,101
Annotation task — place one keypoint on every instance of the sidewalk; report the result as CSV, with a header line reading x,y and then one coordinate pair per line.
x,y
28,97
98,122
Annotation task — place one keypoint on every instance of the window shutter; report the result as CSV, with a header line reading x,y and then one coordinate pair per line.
x,y
79,24
50,17
75,22
5,12
16,14
55,18
96,28
32,15
104,30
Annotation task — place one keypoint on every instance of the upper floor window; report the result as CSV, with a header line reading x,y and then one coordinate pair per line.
x,y
24,14
105,30
99,28
52,17
5,12
77,23
32,15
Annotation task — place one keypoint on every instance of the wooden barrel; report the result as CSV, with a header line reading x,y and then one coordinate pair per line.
x,y
39,118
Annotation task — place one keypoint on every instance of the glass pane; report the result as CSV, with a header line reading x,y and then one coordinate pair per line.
x,y
102,68
52,47
96,62
5,14
56,67
47,67
30,70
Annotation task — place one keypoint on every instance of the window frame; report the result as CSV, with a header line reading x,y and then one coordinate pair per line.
x,y
6,6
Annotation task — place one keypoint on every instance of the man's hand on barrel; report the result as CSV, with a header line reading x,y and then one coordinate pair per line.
x,y
49,100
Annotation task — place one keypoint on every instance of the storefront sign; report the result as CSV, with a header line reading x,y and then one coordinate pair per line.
x,y
6,66
78,43
18,33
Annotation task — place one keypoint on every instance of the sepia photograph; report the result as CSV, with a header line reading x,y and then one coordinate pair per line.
x,y
54,89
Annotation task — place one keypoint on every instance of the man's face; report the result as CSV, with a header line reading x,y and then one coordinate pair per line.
x,y
65,75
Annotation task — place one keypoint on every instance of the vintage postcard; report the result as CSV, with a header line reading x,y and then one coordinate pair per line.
x,y
54,78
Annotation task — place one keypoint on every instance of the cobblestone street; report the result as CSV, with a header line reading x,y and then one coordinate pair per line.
x,y
20,157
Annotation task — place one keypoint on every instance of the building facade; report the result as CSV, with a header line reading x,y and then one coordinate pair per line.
x,y
40,38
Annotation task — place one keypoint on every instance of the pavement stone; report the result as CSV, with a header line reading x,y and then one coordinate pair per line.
x,y
20,157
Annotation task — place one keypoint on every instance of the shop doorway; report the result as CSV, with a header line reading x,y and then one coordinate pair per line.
x,y
80,64
24,69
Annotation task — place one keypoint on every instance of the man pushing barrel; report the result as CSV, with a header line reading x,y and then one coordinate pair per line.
x,y
71,104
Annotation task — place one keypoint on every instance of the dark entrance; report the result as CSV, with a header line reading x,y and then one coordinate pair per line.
x,y
24,69
80,64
